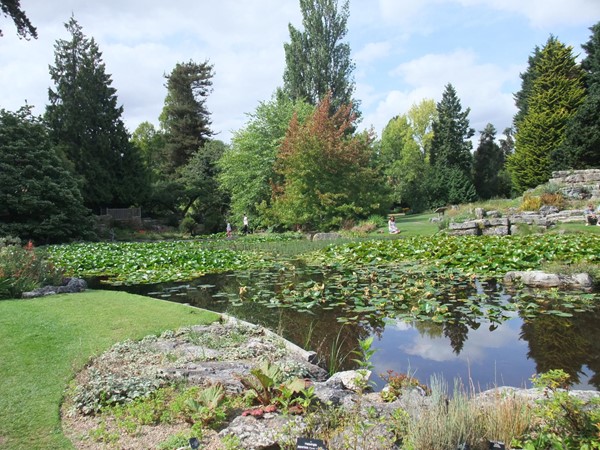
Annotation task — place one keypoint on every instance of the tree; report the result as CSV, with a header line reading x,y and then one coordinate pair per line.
x,y
403,154
326,175
556,94
185,118
39,198
527,79
247,167
12,9
450,153
202,198
86,125
488,162
581,147
151,144
317,61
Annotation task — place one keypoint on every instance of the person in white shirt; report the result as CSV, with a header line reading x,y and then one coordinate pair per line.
x,y
392,226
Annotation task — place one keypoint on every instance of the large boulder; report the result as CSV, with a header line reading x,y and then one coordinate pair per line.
x,y
540,279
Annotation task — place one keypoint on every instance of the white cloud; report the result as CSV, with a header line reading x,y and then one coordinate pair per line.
x,y
372,52
545,13
480,86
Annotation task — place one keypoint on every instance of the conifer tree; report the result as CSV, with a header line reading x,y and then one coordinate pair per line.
x,y
39,197
86,124
450,153
556,94
185,117
581,147
488,162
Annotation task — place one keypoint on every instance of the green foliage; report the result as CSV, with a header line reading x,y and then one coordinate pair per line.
x,y
402,158
148,262
564,422
86,124
247,167
556,93
326,175
23,269
317,61
13,10
450,153
185,117
488,163
39,198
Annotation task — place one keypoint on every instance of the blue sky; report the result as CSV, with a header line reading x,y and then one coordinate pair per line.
x,y
404,51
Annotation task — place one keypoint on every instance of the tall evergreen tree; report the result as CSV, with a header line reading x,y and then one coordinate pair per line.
x,y
86,124
317,59
39,197
488,162
581,147
450,152
556,94
185,117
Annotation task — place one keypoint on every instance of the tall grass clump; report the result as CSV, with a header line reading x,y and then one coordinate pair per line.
x,y
23,269
464,419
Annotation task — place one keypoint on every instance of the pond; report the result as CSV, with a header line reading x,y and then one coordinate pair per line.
x,y
479,350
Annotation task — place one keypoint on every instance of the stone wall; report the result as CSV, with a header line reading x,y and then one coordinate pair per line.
x,y
578,184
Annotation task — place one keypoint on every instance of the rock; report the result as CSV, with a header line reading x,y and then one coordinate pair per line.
x,y
538,278
70,286
326,236
259,433
548,209
351,379
479,213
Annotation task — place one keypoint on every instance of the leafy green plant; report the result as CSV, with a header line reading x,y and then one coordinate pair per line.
x,y
563,420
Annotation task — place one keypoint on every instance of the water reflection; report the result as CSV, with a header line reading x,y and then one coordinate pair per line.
x,y
484,352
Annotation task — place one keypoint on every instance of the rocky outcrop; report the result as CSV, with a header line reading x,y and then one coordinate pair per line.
x,y
540,279
578,184
325,236
69,286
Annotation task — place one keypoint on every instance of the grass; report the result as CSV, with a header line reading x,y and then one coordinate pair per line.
x,y
46,341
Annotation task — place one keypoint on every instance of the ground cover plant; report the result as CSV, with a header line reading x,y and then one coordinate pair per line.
x,y
46,341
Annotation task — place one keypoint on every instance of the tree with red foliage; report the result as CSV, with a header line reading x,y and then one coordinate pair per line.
x,y
325,173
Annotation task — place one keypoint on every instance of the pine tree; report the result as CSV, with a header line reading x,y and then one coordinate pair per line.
x,y
39,197
86,124
317,61
556,94
450,152
185,117
522,97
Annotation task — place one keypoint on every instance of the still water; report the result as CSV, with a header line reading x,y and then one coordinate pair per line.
x,y
479,353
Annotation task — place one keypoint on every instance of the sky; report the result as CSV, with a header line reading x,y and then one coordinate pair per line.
x,y
404,51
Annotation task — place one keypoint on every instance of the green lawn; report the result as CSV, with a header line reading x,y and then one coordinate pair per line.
x,y
46,341
417,224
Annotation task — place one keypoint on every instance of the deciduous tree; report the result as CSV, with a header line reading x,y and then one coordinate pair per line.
x,y
317,59
327,175
247,167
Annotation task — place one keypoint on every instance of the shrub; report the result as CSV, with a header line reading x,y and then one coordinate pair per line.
x,y
23,269
554,199
530,203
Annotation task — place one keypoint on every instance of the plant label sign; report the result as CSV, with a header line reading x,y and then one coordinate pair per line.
x,y
310,444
